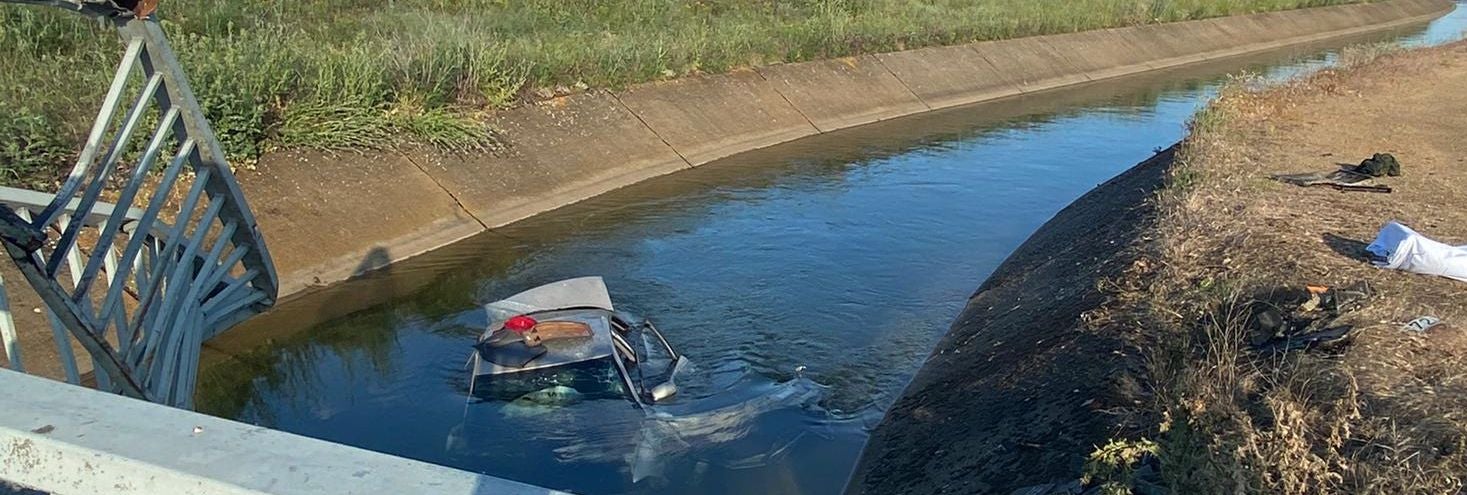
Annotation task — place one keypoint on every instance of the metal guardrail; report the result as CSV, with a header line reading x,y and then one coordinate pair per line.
x,y
152,275
172,260
68,440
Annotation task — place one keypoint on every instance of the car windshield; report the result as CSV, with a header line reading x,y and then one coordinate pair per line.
x,y
593,379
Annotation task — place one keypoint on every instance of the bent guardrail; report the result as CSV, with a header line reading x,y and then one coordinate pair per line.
x,y
149,276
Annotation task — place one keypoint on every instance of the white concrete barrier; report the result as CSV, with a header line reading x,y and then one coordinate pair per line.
x,y
65,439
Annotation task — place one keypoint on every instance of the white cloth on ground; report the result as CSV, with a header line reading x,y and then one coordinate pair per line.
x,y
1401,248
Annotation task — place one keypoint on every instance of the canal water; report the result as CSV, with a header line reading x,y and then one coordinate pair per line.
x,y
845,255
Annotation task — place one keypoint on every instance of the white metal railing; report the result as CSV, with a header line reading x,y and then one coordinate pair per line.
x,y
68,440
175,258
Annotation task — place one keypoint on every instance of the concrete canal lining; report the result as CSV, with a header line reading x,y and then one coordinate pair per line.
x,y
329,218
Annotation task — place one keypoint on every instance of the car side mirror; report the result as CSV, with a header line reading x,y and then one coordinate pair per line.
x,y
664,391
667,389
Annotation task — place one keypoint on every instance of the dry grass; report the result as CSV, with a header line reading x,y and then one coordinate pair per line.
x,y
1386,413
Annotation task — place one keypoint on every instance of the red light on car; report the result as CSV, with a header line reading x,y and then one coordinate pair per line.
x,y
520,324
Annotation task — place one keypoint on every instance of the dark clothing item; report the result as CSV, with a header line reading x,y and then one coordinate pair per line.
x,y
1380,164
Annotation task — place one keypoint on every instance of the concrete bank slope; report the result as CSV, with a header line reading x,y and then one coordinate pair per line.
x,y
328,218
1016,393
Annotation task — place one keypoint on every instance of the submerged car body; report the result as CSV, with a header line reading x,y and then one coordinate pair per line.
x,y
605,353
621,356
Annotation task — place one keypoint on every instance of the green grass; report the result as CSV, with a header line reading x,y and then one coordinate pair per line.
x,y
365,74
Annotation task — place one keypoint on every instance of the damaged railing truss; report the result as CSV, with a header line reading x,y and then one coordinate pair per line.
x,y
174,258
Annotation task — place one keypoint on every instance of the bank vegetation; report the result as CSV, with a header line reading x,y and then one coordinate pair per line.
x,y
1380,411
344,74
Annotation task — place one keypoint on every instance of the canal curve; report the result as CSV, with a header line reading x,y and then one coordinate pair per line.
x,y
845,255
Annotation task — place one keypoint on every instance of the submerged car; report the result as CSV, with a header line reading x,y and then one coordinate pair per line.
x,y
563,344
564,341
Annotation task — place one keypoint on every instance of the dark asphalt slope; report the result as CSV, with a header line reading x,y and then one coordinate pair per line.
x,y
1015,394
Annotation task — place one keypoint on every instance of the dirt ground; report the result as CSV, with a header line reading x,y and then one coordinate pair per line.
x,y
34,335
1384,413
1126,317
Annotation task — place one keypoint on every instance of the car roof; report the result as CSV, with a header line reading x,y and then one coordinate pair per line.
x,y
563,351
